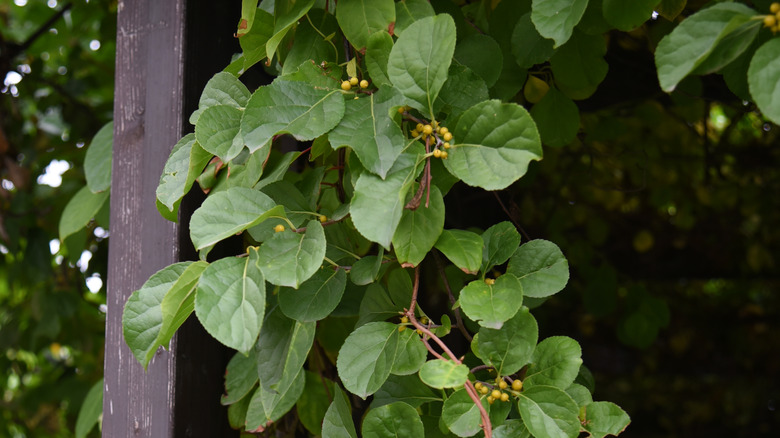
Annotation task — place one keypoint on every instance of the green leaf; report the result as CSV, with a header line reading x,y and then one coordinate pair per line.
x,y
593,22
482,55
369,130
81,208
365,270
393,421
253,43
556,362
222,89
579,394
179,302
461,414
541,268
218,133
493,144
557,118
289,258
377,305
420,60
268,405
361,18
408,389
528,47
499,411
670,9
579,66
419,229
91,410
463,248
248,11
240,377
511,347
628,16
463,89
409,11
224,214
97,161
282,348
548,412
511,429
230,301
317,296
764,79
236,412
605,418
286,14
377,205
310,44
410,354
314,402
441,373
142,316
730,48
290,107
377,55
185,163
499,242
555,19
491,305
694,39
366,358
338,418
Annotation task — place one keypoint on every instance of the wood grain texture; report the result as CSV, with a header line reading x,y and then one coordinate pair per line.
x,y
147,123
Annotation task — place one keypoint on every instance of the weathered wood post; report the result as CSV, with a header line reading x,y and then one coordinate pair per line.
x,y
166,51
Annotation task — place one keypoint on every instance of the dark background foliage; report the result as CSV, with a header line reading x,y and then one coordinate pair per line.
x,y
666,206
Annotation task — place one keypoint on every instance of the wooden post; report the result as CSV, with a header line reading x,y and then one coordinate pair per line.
x,y
161,67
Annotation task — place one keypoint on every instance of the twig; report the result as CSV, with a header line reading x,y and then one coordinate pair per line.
x,y
517,224
486,426
456,311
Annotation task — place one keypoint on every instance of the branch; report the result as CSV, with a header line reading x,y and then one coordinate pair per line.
x,y
486,426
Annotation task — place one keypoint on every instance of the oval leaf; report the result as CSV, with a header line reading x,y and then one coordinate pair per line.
x,y
289,258
316,297
764,79
419,230
230,301
282,348
463,248
461,415
493,144
240,377
97,161
555,19
394,420
511,347
541,268
556,362
361,18
366,357
492,304
441,373
548,412
218,133
605,418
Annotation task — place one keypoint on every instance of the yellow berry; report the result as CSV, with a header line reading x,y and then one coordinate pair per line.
x,y
401,328
775,29
478,386
346,85
424,320
774,7
491,399
279,228
502,384
427,129
770,20
419,127
484,390
419,332
437,153
438,130
443,130
446,145
414,133
504,397
446,136
490,281
364,84
496,393
404,319
517,385
323,218
444,155
401,110
353,81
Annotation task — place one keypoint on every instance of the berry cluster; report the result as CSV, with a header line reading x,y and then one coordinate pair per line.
x,y
772,21
353,81
496,392
440,135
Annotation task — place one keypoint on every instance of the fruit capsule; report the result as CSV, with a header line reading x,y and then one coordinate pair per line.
x,y
346,85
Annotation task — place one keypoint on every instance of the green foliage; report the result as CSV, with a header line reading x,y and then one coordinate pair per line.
x,y
338,238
